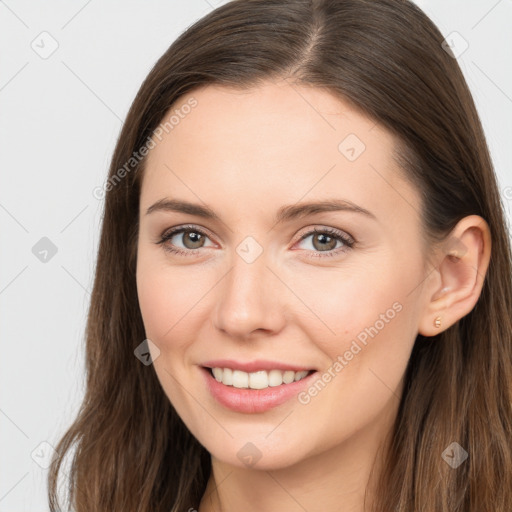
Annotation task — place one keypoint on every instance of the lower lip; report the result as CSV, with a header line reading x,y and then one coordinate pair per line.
x,y
253,400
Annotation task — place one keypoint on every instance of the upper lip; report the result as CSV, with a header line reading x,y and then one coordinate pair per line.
x,y
253,366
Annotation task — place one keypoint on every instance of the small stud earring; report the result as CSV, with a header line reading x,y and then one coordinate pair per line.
x,y
437,321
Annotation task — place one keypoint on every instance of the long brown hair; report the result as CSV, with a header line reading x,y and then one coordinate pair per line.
x,y
131,450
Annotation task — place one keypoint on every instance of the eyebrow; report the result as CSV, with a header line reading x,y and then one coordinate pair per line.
x,y
284,214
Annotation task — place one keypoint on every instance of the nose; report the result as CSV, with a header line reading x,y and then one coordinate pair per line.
x,y
250,299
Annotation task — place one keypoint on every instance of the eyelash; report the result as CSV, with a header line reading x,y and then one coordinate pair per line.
x,y
348,241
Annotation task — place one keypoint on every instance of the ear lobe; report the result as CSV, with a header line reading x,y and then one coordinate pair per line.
x,y
462,264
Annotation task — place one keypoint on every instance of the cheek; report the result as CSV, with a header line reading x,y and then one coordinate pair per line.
x,y
166,299
368,323
344,302
166,296
155,301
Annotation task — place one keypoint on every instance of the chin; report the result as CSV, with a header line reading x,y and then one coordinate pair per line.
x,y
256,452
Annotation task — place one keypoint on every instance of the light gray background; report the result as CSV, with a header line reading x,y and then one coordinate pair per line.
x,y
60,117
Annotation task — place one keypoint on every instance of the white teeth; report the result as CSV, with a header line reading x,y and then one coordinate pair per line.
x,y
240,379
275,377
217,373
256,380
288,377
227,376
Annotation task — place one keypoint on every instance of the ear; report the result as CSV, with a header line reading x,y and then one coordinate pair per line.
x,y
455,284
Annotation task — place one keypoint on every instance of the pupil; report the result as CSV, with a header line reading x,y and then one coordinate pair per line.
x,y
324,239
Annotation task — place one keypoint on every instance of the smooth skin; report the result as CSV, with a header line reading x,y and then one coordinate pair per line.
x,y
246,154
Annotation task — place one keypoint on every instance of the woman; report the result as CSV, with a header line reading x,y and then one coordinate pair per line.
x,y
298,226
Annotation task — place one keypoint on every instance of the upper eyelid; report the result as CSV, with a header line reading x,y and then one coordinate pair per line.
x,y
180,229
335,231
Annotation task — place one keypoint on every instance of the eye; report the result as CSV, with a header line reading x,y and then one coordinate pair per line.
x,y
192,239
324,241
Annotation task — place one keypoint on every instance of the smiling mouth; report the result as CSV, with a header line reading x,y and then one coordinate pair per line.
x,y
261,379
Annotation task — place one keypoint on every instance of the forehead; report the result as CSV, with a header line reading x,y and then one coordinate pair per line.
x,y
275,143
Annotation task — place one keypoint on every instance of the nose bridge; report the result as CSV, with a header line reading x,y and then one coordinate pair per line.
x,y
248,299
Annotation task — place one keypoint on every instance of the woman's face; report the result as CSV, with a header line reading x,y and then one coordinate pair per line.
x,y
254,283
